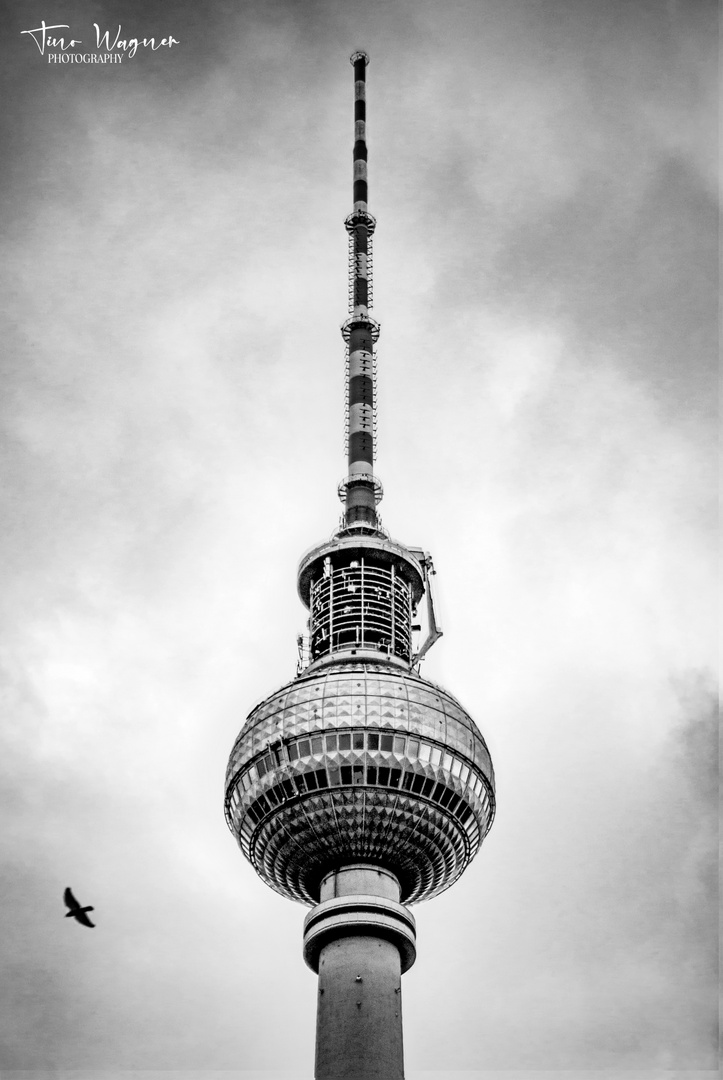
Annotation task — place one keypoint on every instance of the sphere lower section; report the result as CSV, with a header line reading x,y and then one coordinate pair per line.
x,y
360,762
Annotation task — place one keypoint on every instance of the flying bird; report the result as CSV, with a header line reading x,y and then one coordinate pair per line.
x,y
76,910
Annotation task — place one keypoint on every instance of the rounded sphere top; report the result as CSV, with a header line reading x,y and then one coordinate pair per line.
x,y
359,55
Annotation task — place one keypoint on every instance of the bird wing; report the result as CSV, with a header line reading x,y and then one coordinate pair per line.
x,y
70,899
83,918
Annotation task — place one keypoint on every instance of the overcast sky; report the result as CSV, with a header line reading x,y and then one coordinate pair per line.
x,y
174,277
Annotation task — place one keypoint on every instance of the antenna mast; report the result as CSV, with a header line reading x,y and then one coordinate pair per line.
x,y
361,491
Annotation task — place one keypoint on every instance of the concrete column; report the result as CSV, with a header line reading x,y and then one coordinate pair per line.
x,y
360,940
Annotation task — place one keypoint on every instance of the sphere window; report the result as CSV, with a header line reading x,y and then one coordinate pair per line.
x,y
387,742
345,741
373,740
358,740
399,742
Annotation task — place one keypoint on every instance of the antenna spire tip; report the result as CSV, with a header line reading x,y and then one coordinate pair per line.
x,y
359,55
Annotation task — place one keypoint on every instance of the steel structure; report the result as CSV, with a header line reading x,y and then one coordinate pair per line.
x,y
360,787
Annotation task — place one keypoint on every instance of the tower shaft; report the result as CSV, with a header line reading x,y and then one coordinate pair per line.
x,y
359,939
359,1013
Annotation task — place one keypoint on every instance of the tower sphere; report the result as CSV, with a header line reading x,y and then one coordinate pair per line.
x,y
358,762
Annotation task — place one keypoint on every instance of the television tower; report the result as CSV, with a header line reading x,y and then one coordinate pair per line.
x,y
359,787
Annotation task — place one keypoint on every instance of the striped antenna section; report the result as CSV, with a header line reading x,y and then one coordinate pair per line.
x,y
361,491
